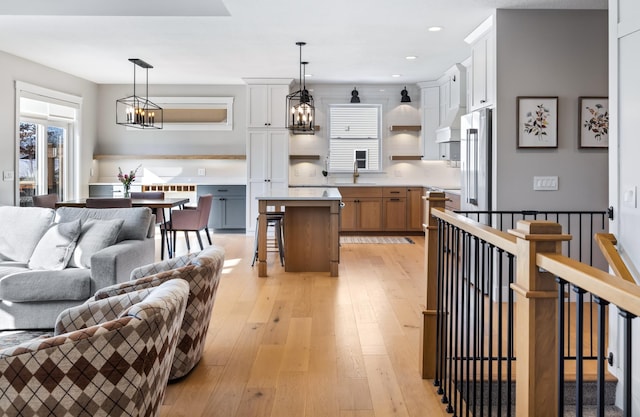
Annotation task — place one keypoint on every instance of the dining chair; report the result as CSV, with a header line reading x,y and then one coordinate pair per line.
x,y
191,219
100,202
154,195
45,200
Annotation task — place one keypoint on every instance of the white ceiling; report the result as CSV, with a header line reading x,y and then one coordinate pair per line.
x,y
223,41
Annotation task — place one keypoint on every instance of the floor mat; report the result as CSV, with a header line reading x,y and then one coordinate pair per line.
x,y
375,239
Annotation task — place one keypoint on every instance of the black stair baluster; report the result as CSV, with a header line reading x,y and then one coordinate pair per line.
x,y
561,324
601,354
437,380
626,396
579,350
510,354
500,329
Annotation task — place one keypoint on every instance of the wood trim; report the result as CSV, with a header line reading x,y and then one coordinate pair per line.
x,y
602,284
607,242
405,157
114,157
497,238
410,128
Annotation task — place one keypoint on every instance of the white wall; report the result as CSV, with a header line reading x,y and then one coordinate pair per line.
x,y
550,53
624,172
435,173
14,69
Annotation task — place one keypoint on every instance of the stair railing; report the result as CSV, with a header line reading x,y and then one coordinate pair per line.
x,y
460,328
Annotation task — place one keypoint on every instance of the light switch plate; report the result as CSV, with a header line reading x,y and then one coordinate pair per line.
x,y
7,175
202,172
630,197
549,183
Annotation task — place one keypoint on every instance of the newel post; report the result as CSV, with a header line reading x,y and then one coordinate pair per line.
x,y
428,340
536,343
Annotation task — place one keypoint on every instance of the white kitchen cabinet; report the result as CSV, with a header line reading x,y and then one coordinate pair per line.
x,y
268,167
483,73
267,105
429,106
449,151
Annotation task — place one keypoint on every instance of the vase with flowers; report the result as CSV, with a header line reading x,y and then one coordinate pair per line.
x,y
127,179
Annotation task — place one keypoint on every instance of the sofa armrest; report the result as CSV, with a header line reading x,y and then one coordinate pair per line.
x,y
166,265
114,264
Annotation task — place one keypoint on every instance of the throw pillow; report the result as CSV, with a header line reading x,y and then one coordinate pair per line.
x,y
56,246
95,236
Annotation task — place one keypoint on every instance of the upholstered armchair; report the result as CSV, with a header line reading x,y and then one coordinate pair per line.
x,y
202,271
45,200
108,357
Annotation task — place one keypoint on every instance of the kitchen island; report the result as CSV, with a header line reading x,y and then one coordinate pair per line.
x,y
311,228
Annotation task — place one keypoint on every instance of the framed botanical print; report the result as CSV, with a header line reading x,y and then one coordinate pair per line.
x,y
593,121
537,122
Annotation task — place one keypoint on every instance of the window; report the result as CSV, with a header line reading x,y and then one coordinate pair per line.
x,y
47,122
354,137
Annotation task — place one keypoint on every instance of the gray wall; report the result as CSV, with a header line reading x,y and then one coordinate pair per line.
x,y
550,53
14,69
115,139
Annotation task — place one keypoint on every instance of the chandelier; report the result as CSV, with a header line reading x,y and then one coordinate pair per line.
x,y
135,111
300,104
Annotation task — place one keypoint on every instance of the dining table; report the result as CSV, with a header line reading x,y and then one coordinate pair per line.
x,y
154,204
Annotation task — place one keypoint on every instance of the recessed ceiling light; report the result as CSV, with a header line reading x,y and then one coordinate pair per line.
x,y
410,57
395,75
435,29
308,75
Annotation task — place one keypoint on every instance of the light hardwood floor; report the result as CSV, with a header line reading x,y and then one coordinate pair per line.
x,y
308,345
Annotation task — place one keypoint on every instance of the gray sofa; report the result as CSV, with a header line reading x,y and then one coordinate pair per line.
x,y
52,260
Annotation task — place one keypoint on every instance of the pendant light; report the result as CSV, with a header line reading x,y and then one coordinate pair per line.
x,y
302,113
135,111
405,96
354,96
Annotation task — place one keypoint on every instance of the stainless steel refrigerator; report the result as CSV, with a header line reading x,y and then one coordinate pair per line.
x,y
475,162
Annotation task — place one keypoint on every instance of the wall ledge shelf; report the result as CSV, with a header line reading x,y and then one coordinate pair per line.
x,y
409,128
310,157
405,157
114,157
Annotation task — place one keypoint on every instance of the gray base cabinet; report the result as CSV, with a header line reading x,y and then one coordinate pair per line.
x,y
228,211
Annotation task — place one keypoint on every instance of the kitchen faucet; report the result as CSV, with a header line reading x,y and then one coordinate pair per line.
x,y
355,172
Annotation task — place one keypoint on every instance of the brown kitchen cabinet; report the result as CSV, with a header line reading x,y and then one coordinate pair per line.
x,y
362,210
395,209
415,209
453,201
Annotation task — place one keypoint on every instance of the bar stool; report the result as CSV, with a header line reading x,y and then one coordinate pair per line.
x,y
276,221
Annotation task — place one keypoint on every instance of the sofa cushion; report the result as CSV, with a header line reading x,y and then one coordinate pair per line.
x,y
136,219
55,247
70,284
95,235
25,225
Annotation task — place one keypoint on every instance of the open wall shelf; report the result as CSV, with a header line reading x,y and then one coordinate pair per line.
x,y
114,157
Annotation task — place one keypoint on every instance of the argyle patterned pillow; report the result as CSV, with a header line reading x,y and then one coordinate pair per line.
x,y
202,272
116,368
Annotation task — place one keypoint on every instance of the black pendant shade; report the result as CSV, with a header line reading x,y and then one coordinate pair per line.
x,y
302,112
139,112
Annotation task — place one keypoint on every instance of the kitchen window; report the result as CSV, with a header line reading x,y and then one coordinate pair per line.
x,y
354,137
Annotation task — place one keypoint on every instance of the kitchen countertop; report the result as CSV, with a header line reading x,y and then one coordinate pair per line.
x,y
307,193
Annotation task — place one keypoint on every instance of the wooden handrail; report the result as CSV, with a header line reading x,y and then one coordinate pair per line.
x,y
599,283
493,236
607,242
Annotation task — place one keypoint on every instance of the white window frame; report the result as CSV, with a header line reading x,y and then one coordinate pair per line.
x,y
71,185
